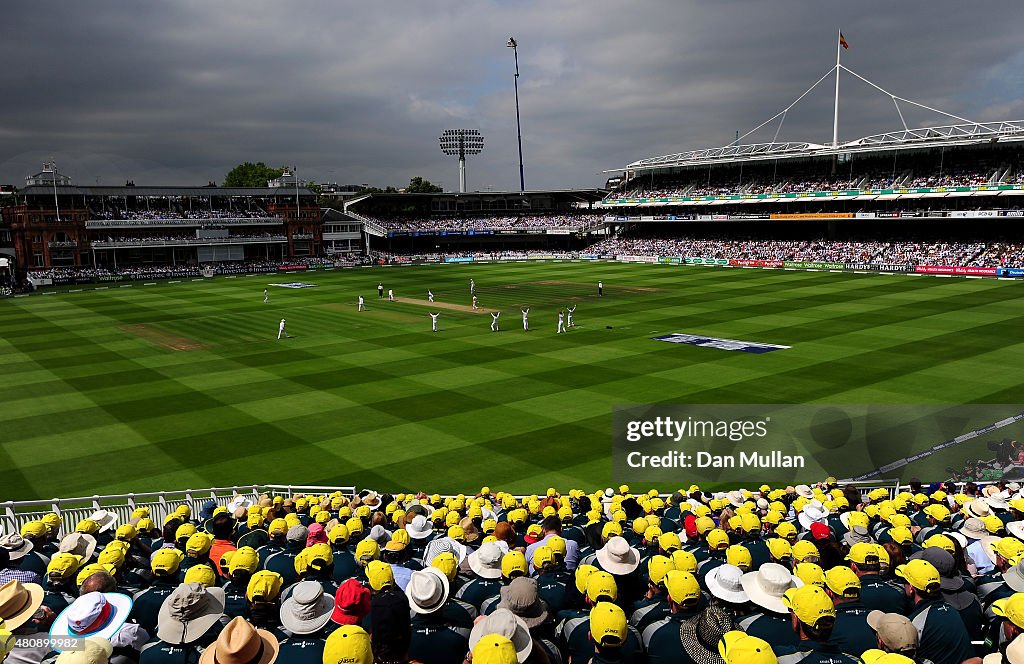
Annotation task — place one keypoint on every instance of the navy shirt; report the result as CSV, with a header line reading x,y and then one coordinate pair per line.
x,y
943,637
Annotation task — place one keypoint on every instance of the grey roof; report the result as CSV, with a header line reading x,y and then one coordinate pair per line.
x,y
73,190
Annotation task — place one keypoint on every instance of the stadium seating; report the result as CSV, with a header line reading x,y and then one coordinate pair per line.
x,y
788,573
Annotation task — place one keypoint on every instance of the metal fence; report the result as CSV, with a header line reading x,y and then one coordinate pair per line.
x,y
160,503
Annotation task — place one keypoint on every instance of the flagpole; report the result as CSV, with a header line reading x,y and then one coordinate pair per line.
x,y
835,116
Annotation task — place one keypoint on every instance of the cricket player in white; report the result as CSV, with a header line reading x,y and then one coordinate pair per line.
x,y
474,303
494,321
472,286
266,296
391,295
430,295
526,319
570,311
280,331
433,321
561,321
600,289
361,307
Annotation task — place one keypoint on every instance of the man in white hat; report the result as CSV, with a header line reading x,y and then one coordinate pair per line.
x,y
622,561
280,331
765,588
307,615
434,637
485,564
102,615
13,549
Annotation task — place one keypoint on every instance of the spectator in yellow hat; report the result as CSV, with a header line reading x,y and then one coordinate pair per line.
x,y
876,593
812,616
851,628
944,639
164,566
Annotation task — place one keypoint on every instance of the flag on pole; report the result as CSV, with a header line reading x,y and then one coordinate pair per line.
x,y
842,41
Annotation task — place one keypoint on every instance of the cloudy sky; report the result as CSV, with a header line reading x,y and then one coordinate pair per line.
x,y
358,92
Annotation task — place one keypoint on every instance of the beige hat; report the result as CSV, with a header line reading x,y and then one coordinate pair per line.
x,y
80,544
767,585
188,612
977,509
96,651
18,601
241,643
16,545
895,631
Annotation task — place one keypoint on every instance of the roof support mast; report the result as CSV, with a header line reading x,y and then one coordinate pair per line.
x,y
835,115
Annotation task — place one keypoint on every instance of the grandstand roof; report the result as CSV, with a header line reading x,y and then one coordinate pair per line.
x,y
36,190
975,133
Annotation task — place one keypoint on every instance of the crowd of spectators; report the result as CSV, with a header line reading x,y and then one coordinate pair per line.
x,y
980,254
758,185
761,575
575,221
187,239
61,275
172,214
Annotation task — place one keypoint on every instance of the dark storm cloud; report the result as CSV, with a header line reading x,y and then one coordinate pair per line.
x,y
179,92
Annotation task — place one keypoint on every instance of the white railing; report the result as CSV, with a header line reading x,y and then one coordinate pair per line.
x,y
15,513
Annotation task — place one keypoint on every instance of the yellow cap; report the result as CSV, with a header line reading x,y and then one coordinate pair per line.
x,y
380,575
1008,547
87,526
367,550
338,534
684,561
901,535
513,564
245,558
779,548
203,574
658,567
184,531
350,644
611,529
921,574
264,587
198,544
543,556
843,582
165,562
87,571
940,541
447,563
581,576
864,553
737,647
557,546
607,625
457,533
1011,608
717,539
805,551
63,565
787,531
34,529
490,649
810,573
111,555
938,512
739,555
319,556
601,587
682,588
810,604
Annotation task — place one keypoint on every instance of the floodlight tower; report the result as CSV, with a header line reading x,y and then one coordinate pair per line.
x,y
462,142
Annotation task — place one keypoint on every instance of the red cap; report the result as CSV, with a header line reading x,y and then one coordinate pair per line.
x,y
351,603
690,524
820,531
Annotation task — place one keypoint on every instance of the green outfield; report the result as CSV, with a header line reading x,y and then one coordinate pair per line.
x,y
184,385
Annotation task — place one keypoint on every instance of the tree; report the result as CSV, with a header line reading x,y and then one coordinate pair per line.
x,y
251,175
418,185
378,190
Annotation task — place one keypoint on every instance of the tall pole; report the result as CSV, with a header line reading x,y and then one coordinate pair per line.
x,y
298,210
514,45
835,116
